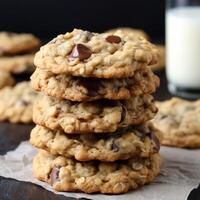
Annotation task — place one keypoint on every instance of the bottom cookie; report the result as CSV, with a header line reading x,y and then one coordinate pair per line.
x,y
94,176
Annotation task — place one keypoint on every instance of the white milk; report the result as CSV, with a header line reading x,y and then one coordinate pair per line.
x,y
183,46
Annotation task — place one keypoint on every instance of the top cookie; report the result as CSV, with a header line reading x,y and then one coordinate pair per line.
x,y
85,54
14,43
179,120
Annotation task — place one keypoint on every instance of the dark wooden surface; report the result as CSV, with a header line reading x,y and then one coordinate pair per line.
x,y
11,135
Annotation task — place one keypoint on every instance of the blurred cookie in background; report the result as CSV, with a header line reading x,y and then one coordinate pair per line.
x,y
179,121
17,43
6,79
17,64
16,103
161,61
17,52
133,33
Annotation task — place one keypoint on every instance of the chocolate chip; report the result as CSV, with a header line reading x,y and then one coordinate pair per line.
x,y
92,85
114,146
123,113
113,39
80,51
155,141
54,176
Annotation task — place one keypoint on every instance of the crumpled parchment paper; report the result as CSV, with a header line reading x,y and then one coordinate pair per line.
x,y
179,175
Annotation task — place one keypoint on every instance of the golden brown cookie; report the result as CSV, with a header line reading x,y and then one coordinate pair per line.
x,y
17,64
88,89
86,54
94,176
179,121
17,43
125,143
16,103
95,116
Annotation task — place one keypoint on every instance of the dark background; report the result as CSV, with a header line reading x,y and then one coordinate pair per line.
x,y
47,18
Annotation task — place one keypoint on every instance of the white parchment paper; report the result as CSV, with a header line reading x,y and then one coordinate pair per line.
x,y
179,175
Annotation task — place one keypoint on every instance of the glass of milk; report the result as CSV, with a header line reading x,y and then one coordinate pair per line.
x,y
183,47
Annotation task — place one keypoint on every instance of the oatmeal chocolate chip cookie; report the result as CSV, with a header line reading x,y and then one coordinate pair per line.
x,y
131,32
16,103
16,43
95,116
179,121
94,176
85,54
17,64
141,141
6,79
161,59
88,89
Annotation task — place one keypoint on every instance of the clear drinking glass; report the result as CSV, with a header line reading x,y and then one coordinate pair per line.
x,y
183,47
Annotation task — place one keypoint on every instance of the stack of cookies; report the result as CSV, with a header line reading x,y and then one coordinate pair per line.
x,y
92,115
17,52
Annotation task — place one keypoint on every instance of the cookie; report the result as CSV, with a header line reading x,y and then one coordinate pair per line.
x,y
16,43
179,121
85,54
95,117
141,141
94,176
161,59
17,64
16,103
132,32
6,79
87,89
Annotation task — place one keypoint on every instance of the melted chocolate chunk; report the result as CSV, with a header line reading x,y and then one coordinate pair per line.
x,y
81,52
113,39
155,141
54,176
114,146
123,113
92,85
